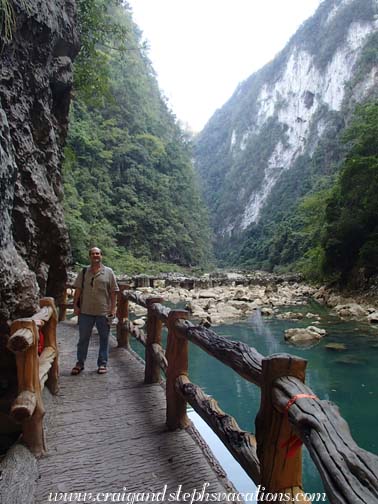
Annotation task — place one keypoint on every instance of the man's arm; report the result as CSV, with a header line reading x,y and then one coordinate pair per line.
x,y
113,298
76,300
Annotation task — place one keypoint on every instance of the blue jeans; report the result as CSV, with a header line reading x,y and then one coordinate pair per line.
x,y
86,323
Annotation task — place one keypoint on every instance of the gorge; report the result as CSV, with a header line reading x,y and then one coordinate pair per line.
x,y
268,162
278,138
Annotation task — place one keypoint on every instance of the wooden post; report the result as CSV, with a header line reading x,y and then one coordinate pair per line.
x,y
154,328
177,357
122,316
49,332
28,380
278,448
63,306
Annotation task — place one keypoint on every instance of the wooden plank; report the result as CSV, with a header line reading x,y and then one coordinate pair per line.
x,y
108,432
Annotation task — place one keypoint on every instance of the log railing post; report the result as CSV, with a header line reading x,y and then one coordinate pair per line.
x,y
154,329
278,448
29,409
63,305
49,332
177,357
122,316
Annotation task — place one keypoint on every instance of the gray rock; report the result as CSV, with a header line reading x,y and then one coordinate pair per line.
x,y
304,336
373,317
336,346
350,310
35,86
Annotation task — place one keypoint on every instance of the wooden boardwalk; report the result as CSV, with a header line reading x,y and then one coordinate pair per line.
x,y
106,434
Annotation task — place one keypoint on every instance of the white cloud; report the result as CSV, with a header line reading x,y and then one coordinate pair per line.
x,y
202,49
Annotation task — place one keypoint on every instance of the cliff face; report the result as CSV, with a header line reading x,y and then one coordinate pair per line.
x,y
35,85
280,121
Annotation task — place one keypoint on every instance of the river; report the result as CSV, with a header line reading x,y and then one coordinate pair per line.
x,y
346,377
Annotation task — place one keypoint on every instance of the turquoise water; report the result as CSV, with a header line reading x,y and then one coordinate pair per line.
x,y
347,378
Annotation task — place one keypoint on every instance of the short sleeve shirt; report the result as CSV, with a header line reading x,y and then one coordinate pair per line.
x,y
97,289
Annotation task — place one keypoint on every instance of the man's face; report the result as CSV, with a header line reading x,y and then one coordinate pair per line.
x,y
95,256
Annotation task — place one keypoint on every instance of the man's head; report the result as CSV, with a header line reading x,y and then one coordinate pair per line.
x,y
95,255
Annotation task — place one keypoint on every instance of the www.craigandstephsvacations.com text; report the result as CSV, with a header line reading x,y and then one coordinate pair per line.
x,y
180,495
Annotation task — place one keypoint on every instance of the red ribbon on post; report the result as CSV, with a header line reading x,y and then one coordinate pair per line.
x,y
294,442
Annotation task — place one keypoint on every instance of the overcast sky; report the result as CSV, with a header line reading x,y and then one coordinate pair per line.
x,y
202,49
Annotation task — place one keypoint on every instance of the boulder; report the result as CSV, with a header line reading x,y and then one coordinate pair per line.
x,y
290,316
267,312
336,346
334,300
351,310
215,319
242,295
136,309
304,336
207,293
373,317
139,322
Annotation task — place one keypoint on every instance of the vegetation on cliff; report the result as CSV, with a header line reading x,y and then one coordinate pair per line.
x,y
129,183
233,156
350,239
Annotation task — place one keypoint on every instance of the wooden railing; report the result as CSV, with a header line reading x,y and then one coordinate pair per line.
x,y
66,302
290,414
34,370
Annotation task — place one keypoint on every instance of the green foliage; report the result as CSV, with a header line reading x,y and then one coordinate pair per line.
x,y
7,20
98,30
352,214
129,183
232,155
323,43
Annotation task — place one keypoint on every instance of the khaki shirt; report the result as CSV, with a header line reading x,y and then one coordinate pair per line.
x,y
96,294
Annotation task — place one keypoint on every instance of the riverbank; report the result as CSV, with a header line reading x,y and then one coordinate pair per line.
x,y
216,299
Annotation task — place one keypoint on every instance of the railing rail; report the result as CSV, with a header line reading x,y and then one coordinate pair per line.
x,y
290,414
34,370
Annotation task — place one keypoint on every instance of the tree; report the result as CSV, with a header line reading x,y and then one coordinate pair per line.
x,y
352,213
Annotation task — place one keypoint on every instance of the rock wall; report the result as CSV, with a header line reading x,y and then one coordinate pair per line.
x,y
273,124
35,87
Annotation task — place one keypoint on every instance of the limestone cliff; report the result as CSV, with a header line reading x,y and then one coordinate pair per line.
x,y
35,86
267,146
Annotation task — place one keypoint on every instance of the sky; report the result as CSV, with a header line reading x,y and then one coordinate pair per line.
x,y
202,49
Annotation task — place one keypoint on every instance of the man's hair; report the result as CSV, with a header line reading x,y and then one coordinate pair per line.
x,y
92,248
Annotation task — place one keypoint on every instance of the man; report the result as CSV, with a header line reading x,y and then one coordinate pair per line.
x,y
94,303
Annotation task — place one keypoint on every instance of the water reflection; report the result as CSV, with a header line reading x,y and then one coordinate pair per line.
x,y
257,324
